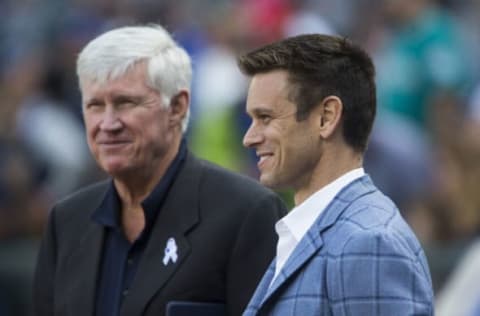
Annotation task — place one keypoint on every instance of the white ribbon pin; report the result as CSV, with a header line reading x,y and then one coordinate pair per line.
x,y
170,251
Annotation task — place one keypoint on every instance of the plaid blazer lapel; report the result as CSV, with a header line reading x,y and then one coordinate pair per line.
x,y
307,247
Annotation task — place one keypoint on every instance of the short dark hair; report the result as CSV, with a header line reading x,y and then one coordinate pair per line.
x,y
319,66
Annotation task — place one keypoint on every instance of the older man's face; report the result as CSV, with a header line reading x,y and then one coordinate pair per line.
x,y
128,127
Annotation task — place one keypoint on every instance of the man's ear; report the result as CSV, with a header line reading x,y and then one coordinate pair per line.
x,y
179,106
330,114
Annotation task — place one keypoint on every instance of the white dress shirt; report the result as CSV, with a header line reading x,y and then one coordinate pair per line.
x,y
292,227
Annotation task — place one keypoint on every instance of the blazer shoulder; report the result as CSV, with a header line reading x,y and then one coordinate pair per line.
x,y
227,181
80,204
236,194
374,219
371,210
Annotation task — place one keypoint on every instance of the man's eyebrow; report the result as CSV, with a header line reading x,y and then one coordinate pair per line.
x,y
124,97
93,100
261,111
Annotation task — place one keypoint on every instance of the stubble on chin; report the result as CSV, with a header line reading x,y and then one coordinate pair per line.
x,y
267,181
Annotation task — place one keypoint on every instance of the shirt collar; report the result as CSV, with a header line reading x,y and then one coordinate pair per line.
x,y
304,215
108,212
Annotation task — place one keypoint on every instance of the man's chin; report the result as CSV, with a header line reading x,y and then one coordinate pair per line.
x,y
274,183
115,169
268,181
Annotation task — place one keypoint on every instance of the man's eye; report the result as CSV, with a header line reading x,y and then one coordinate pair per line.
x,y
265,118
127,103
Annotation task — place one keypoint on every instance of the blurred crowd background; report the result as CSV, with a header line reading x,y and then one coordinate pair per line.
x,y
425,146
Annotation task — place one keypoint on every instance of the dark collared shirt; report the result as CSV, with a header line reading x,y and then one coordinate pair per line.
x,y
120,257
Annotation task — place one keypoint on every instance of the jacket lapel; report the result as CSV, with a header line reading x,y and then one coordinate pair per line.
x,y
85,261
178,215
312,241
307,247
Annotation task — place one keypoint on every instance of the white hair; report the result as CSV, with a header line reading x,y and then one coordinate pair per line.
x,y
113,53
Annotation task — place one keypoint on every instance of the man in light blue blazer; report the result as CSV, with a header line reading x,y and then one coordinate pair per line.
x,y
344,249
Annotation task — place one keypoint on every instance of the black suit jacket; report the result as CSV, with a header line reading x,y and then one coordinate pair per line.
x,y
223,224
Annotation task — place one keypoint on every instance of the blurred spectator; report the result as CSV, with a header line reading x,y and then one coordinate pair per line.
x,y
43,124
304,20
264,20
23,210
461,294
401,167
448,218
468,15
425,62
421,58
474,105
218,86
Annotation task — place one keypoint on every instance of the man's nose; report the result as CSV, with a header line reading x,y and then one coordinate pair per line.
x,y
252,137
110,120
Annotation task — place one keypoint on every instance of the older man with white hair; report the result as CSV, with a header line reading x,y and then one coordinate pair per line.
x,y
167,226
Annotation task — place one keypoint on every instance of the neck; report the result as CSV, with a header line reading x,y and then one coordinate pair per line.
x,y
331,166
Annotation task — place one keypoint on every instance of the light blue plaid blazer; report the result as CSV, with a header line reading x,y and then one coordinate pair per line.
x,y
358,258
